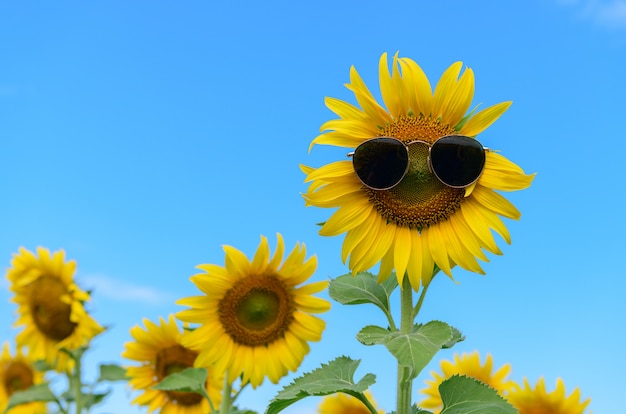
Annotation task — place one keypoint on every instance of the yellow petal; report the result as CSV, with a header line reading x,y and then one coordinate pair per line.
x,y
444,87
419,91
402,248
459,99
483,119
438,249
261,257
496,203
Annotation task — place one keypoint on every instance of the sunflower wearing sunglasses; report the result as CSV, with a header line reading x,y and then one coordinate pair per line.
x,y
419,191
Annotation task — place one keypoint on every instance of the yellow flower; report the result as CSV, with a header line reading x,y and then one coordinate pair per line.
x,y
50,306
17,374
159,350
538,401
254,319
341,403
470,366
420,222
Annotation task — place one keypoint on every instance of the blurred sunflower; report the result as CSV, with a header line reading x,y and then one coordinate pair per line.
x,y
17,374
254,318
341,403
470,366
50,306
160,351
419,222
538,401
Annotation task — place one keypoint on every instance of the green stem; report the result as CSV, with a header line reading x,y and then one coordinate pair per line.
x,y
419,301
361,397
76,383
226,397
405,382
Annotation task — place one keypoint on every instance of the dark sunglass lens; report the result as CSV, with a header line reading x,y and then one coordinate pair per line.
x,y
380,163
457,160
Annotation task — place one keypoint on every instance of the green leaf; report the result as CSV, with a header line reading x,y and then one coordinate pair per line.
x,y
457,337
42,366
373,335
415,350
112,372
187,380
362,288
331,378
390,284
462,395
39,392
89,400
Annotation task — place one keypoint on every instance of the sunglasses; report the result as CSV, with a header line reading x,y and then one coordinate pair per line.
x,y
456,160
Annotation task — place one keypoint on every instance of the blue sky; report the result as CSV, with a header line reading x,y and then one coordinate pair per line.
x,y
142,136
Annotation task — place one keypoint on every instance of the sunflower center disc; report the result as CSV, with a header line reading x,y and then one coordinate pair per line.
x,y
17,377
172,360
257,310
50,314
420,199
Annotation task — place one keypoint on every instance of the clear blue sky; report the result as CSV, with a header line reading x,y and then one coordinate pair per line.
x,y
141,136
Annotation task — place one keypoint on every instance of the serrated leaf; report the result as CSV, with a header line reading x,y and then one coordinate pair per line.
x,y
112,372
416,349
39,392
462,395
390,284
361,288
457,337
336,376
373,335
187,380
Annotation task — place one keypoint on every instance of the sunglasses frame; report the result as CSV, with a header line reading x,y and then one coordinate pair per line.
x,y
430,167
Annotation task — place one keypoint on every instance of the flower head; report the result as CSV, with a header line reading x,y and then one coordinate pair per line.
x,y
420,222
255,320
341,403
50,306
158,349
538,401
470,366
18,374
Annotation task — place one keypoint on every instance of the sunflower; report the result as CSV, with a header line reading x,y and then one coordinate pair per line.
x,y
254,319
538,401
50,306
420,223
470,366
341,403
17,374
160,351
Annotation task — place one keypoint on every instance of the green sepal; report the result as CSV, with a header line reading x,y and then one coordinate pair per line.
x,y
187,380
36,393
331,378
466,118
463,395
415,410
236,410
